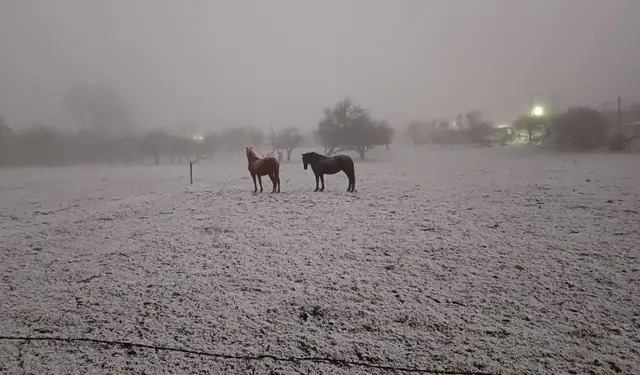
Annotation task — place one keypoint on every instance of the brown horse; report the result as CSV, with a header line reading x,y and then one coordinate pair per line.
x,y
262,167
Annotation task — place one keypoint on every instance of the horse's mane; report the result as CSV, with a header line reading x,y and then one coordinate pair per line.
x,y
315,155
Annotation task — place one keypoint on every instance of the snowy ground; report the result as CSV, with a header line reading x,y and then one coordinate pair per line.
x,y
511,260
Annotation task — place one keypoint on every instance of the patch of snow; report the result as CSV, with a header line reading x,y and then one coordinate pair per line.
x,y
497,259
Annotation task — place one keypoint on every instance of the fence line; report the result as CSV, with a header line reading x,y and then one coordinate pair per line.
x,y
257,357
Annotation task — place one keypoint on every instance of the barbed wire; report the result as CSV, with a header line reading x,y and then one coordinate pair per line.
x,y
257,357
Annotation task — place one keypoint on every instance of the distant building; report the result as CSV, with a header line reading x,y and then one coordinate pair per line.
x,y
500,133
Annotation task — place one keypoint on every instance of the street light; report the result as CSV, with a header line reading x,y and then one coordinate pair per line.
x,y
537,111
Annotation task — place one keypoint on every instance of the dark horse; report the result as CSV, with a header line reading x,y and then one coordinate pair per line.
x,y
262,167
321,165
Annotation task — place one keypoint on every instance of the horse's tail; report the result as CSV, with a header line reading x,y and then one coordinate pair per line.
x,y
350,169
276,175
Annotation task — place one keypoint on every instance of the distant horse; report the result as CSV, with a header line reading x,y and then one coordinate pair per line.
x,y
263,167
321,165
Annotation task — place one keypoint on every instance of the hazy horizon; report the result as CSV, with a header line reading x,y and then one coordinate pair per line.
x,y
230,63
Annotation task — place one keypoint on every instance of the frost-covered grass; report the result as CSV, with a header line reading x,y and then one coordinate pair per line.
x,y
512,260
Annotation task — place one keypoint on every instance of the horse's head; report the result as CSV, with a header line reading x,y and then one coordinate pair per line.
x,y
250,154
306,159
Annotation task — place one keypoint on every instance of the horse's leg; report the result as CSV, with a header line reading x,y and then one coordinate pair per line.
x,y
272,176
322,180
353,178
317,182
255,187
260,181
276,182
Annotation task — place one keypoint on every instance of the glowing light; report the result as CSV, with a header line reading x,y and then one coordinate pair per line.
x,y
537,111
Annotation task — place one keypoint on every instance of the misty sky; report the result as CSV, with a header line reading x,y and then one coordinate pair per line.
x,y
242,62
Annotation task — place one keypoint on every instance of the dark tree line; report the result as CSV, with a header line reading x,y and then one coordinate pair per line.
x,y
622,138
582,128
469,128
47,146
106,134
578,128
41,145
349,127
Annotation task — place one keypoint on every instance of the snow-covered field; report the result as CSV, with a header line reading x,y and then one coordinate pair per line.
x,y
498,260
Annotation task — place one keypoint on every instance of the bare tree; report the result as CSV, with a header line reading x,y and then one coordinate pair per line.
x,y
477,128
156,143
532,124
348,126
287,139
334,122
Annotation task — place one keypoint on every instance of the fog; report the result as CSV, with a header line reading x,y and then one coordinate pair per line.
x,y
228,63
